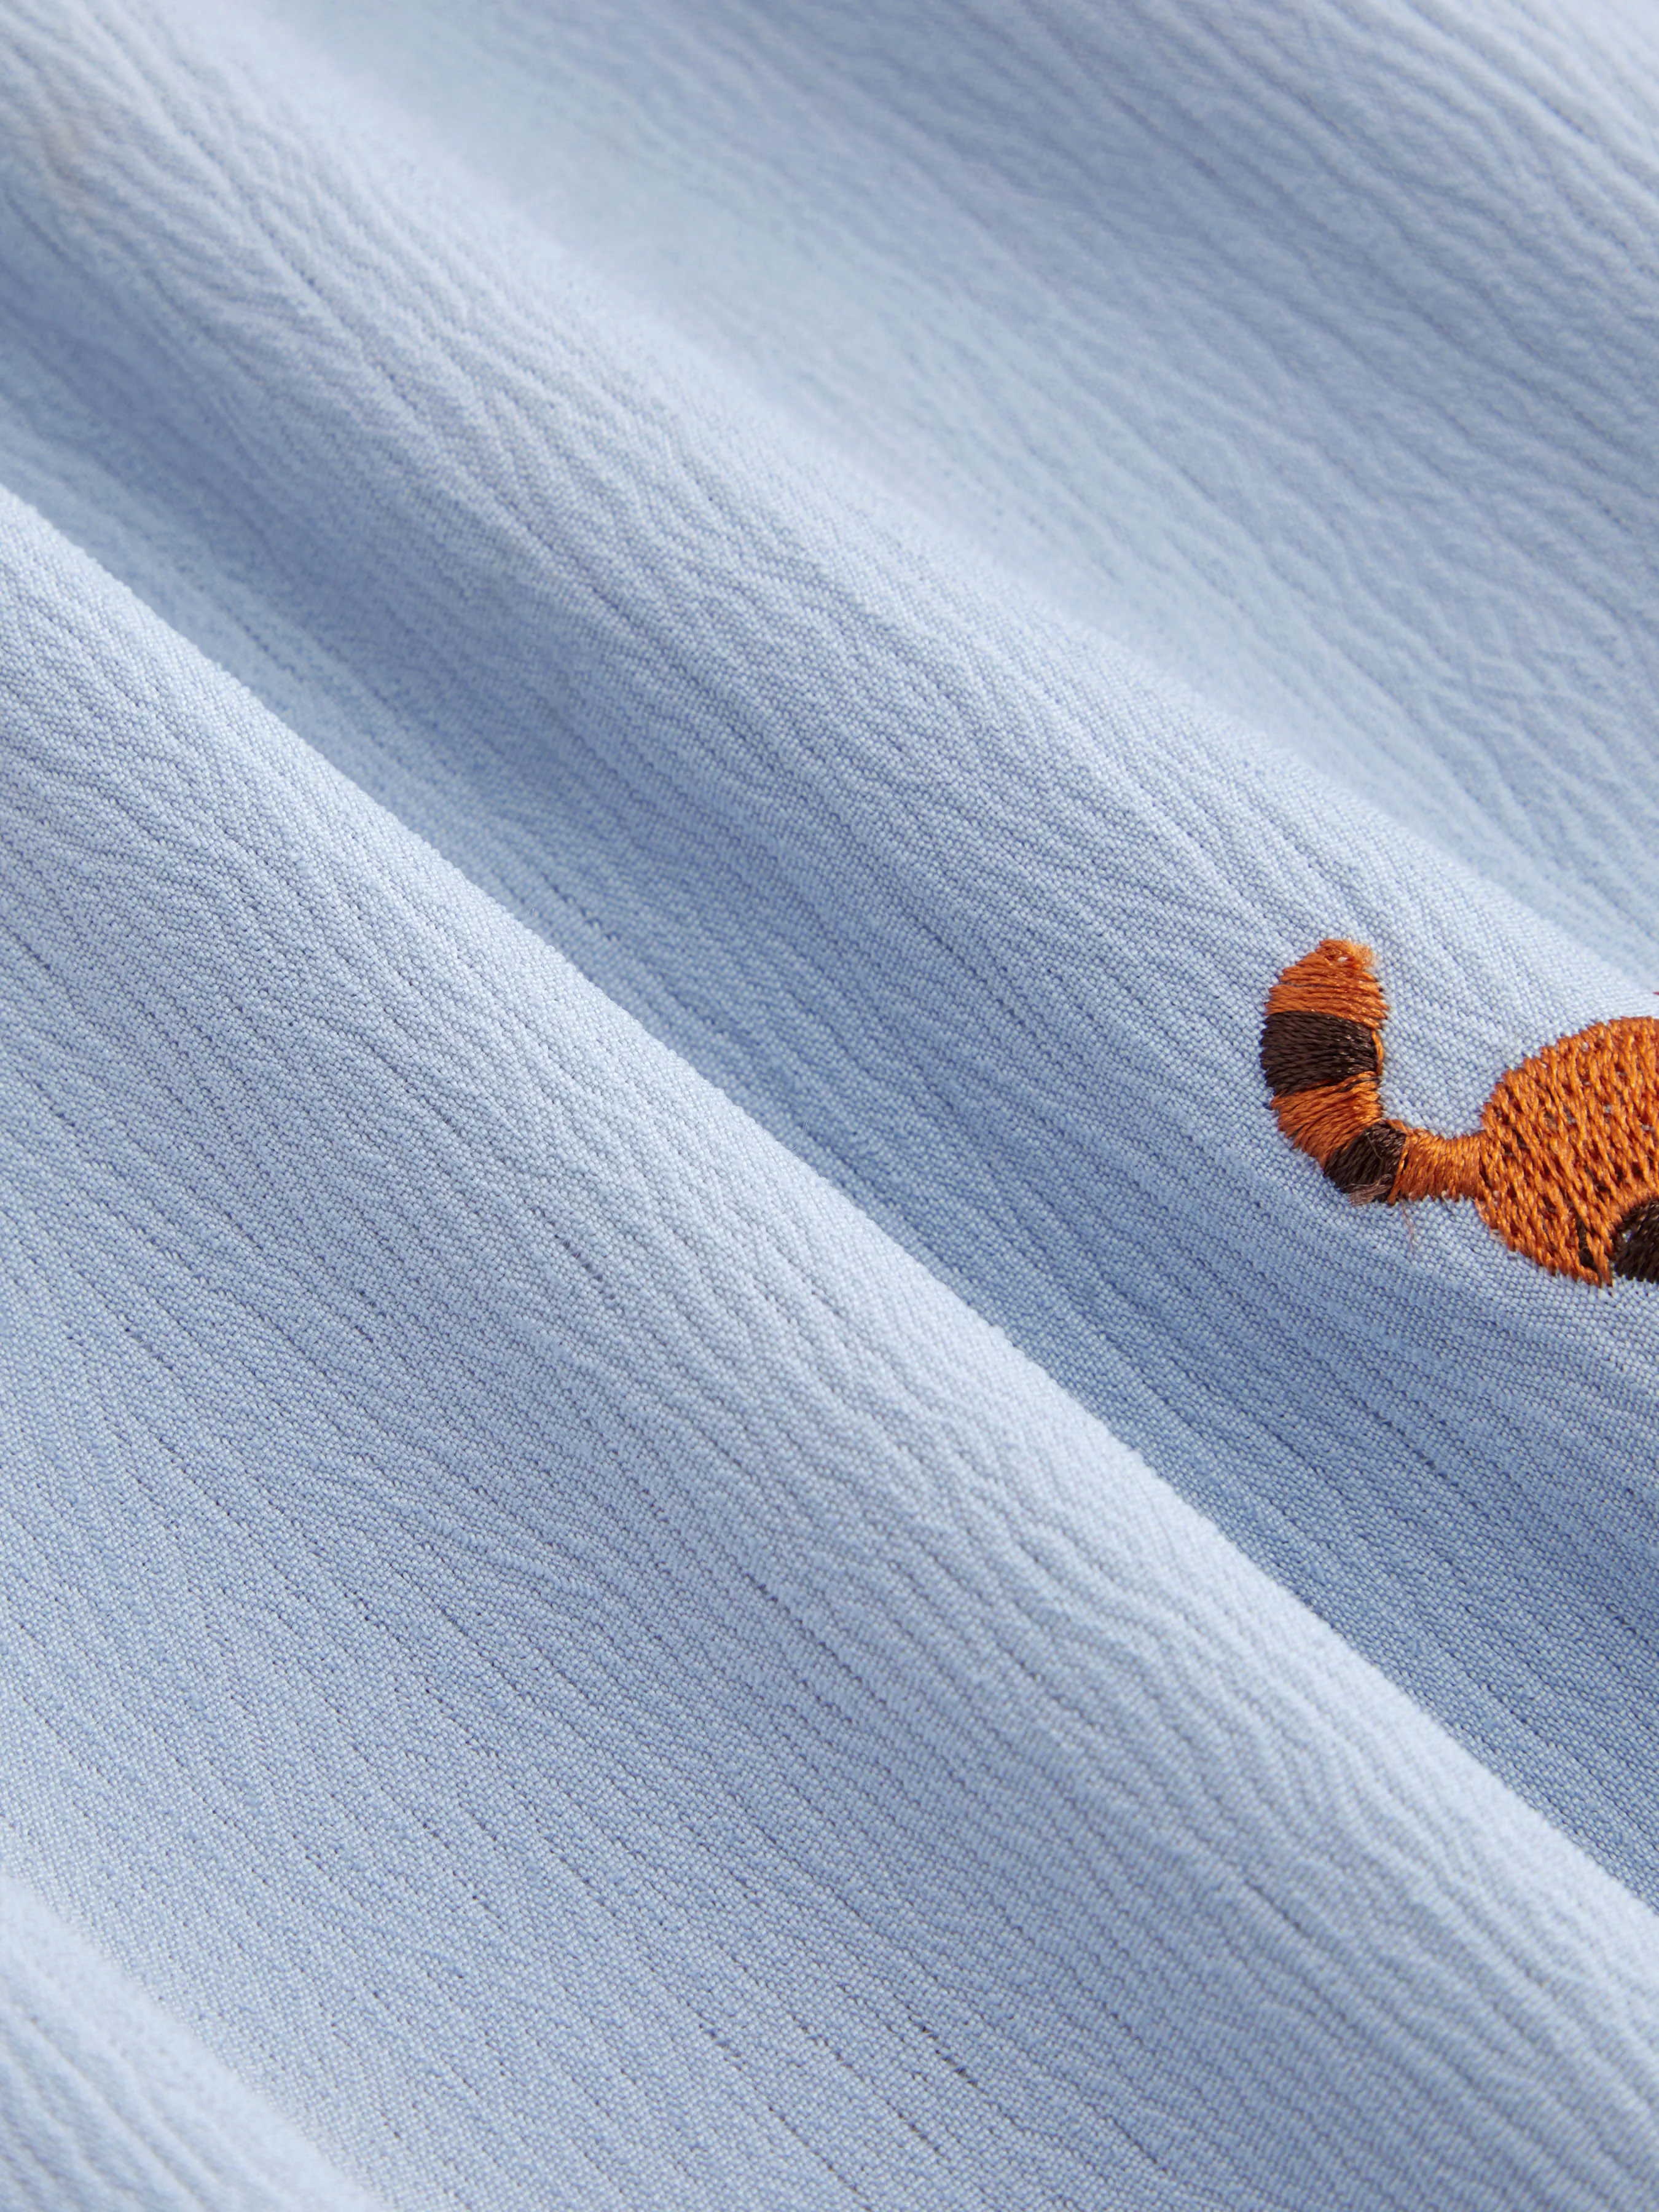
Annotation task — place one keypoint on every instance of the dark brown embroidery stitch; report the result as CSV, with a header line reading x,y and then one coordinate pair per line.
x,y
1564,1166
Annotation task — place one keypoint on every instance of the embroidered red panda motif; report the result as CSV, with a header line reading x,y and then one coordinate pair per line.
x,y
1564,1166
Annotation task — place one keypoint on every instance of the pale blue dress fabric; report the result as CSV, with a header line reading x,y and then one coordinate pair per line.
x,y
694,1512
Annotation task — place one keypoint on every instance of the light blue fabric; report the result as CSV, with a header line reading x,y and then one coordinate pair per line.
x,y
106,2101
696,1511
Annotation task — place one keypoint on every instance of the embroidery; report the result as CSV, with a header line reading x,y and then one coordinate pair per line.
x,y
1564,1166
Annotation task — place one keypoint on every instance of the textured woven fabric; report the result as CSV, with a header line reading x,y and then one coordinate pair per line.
x,y
693,1509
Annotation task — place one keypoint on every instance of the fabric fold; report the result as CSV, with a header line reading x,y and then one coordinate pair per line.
x,y
582,1669
1306,356
964,905
105,2101
694,1508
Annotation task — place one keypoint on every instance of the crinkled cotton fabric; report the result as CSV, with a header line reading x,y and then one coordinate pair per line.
x,y
694,1511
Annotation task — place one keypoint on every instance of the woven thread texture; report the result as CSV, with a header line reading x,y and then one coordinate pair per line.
x,y
695,1510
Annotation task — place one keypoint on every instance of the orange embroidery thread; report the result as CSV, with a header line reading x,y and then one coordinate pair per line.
x,y
1564,1166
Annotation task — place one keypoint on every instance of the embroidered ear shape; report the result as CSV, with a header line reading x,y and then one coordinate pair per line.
x,y
1564,1166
